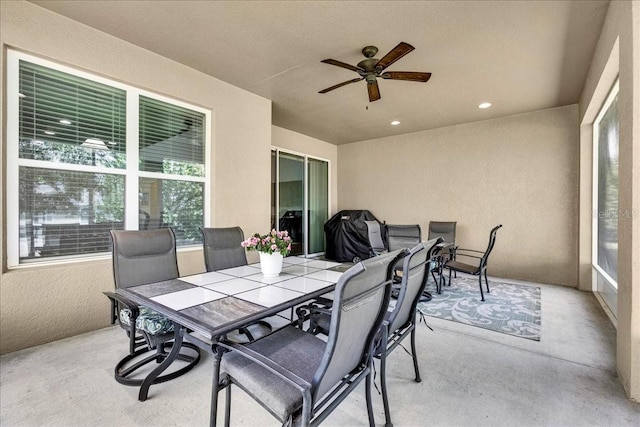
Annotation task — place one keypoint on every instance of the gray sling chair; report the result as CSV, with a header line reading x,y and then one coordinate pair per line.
x,y
400,320
222,250
403,236
446,250
479,268
374,233
141,257
300,378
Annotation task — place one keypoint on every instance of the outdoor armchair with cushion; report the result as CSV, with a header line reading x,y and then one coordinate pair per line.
x,y
142,257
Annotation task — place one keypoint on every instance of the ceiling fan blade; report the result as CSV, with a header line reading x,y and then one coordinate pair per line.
x,y
396,53
413,76
341,64
374,91
340,85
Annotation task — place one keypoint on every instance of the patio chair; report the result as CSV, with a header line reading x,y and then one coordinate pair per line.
x,y
400,321
141,257
376,242
479,267
446,249
300,378
222,250
403,236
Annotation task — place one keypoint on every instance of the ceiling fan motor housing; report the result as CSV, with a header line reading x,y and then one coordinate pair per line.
x,y
369,51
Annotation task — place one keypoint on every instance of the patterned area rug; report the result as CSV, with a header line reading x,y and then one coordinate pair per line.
x,y
509,308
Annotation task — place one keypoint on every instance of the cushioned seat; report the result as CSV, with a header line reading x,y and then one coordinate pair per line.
x,y
148,321
300,354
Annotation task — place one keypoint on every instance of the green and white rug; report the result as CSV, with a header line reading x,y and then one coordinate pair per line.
x,y
509,308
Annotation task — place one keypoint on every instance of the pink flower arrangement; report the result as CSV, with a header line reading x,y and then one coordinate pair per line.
x,y
275,241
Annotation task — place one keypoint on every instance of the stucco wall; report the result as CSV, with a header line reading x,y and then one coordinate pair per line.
x,y
519,171
41,304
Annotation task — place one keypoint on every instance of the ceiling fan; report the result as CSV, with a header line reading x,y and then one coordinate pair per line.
x,y
371,68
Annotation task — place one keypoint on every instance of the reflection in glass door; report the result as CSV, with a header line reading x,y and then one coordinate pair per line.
x,y
291,199
318,194
300,199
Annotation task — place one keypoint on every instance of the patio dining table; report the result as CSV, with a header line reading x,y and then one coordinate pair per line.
x,y
206,307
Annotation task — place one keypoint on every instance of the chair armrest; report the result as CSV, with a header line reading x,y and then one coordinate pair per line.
x,y
117,301
268,364
304,312
469,250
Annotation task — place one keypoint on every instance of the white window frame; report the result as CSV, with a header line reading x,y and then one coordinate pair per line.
x,y
615,88
131,173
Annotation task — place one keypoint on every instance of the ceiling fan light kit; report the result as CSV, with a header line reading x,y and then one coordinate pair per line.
x,y
371,69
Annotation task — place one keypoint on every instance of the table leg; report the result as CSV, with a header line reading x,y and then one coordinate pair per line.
x,y
175,350
217,355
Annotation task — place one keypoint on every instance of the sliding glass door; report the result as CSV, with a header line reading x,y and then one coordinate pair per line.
x,y
318,196
300,199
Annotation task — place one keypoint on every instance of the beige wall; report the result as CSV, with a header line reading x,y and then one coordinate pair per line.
x,y
519,171
618,53
45,303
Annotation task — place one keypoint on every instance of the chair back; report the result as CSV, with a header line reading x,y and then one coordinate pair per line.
x,y
415,272
444,229
403,236
141,257
222,248
361,298
375,236
492,242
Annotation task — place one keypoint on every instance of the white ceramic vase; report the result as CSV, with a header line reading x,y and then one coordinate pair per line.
x,y
271,264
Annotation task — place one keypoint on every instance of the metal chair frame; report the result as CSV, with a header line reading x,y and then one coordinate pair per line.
x,y
482,257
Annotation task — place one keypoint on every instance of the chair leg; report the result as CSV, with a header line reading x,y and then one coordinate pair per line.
x,y
372,421
480,283
383,384
433,274
414,354
486,281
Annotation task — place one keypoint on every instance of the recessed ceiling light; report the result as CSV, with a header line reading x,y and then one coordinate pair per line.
x,y
395,123
94,143
484,105
65,122
49,132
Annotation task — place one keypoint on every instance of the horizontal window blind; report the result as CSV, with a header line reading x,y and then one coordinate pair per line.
x,y
68,213
65,118
172,138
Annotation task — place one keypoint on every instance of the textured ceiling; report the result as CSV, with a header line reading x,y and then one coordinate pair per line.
x,y
519,55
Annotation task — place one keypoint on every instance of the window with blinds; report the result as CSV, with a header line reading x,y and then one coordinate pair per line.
x,y
171,152
71,180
